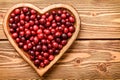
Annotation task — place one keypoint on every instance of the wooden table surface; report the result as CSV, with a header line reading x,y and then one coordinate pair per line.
x,y
94,55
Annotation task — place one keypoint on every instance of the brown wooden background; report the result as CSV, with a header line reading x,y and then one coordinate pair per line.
x,y
94,55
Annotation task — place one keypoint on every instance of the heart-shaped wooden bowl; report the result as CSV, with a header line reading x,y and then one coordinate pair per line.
x,y
22,53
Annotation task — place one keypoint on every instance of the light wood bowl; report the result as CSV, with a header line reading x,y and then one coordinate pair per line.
x,y
22,53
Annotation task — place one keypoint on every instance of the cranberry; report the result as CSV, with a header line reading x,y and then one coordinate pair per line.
x,y
25,9
55,44
22,16
36,40
46,62
22,33
51,57
11,20
43,41
29,45
17,40
44,47
57,18
45,54
17,11
71,29
50,37
27,25
20,44
63,16
50,18
69,34
38,47
64,36
33,11
42,21
42,64
46,31
66,30
37,62
14,35
57,34
64,42
40,36
12,15
35,27
25,47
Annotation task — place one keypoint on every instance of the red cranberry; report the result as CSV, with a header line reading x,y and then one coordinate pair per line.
x,y
57,40
14,35
46,62
57,34
27,25
37,53
52,31
22,16
36,40
20,44
29,45
27,18
31,22
17,11
35,27
32,17
47,23
12,15
25,9
12,30
11,20
25,47
38,47
54,25
22,33
37,62
64,36
42,21
50,51
55,45
51,57
17,40
42,64
40,57
43,41
45,54
63,16
16,18
50,18
64,42
33,11
43,16
44,47
22,22
40,36
57,51
49,46
69,34
39,31
46,31
50,37
57,18
71,19
71,29
60,47
66,30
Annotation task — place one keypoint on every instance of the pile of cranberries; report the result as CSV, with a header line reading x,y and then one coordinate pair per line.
x,y
42,36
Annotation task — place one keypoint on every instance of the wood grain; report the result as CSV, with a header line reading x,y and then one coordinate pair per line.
x,y
85,59
94,55
99,18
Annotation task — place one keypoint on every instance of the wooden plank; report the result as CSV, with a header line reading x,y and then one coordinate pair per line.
x,y
99,19
84,59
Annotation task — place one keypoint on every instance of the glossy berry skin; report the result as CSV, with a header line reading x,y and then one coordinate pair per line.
x,y
41,36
